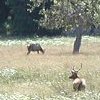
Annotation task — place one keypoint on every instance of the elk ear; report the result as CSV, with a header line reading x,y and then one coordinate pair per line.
x,y
72,71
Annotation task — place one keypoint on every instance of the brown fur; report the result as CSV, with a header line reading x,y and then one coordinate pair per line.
x,y
78,83
35,47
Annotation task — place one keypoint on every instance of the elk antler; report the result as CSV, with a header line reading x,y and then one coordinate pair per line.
x,y
80,68
73,70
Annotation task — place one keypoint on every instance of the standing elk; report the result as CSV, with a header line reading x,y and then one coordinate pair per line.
x,y
78,83
35,47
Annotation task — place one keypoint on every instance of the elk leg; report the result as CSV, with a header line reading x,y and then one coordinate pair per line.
x,y
42,51
28,52
38,52
80,86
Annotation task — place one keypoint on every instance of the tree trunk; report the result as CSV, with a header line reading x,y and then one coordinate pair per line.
x,y
77,42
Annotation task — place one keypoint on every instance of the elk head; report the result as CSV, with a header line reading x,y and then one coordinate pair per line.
x,y
74,73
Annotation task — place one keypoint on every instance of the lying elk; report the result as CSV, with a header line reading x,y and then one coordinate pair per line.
x,y
78,83
35,47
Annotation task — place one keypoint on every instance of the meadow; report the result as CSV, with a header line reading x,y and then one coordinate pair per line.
x,y
45,76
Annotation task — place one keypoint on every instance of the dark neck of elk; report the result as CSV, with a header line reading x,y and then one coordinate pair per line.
x,y
74,76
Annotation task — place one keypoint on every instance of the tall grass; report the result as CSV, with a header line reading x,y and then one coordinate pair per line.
x,y
45,77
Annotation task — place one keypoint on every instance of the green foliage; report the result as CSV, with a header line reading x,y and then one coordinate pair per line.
x,y
31,17
71,14
4,10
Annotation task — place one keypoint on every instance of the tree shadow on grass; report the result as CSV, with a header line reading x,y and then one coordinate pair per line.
x,y
71,54
89,53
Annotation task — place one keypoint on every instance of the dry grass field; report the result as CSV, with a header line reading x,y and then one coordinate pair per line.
x,y
45,77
